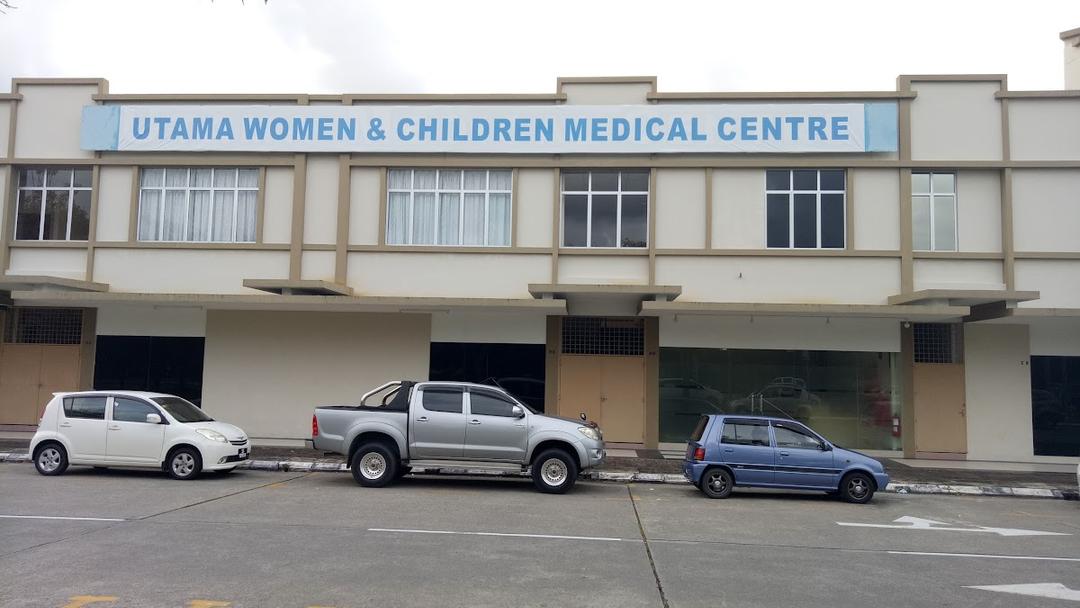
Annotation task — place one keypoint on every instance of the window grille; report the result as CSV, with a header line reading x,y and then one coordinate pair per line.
x,y
44,326
600,336
938,343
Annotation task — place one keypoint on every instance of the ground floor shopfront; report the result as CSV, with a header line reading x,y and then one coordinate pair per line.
x,y
980,391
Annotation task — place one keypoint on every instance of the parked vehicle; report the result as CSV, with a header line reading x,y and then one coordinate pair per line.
x,y
451,425
729,451
134,429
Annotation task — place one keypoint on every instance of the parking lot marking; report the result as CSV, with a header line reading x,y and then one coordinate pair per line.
x,y
79,601
1055,591
988,556
917,523
63,518
208,604
507,534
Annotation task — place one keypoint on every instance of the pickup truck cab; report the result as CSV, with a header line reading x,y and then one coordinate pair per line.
x,y
404,424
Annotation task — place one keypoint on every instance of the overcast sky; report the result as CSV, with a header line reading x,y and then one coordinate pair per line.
x,y
407,46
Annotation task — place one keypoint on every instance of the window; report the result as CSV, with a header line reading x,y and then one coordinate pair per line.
x,y
805,208
742,433
794,437
182,204
44,326
448,207
605,208
182,410
699,430
442,400
131,410
933,211
85,407
54,204
938,343
489,404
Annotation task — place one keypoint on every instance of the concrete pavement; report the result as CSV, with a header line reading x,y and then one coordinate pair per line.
x,y
257,538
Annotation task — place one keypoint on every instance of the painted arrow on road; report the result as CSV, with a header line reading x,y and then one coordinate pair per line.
x,y
1055,591
917,523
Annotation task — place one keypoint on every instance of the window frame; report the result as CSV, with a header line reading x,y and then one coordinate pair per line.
x,y
116,400
44,189
647,193
799,430
236,189
461,191
932,214
791,192
749,423
443,389
67,410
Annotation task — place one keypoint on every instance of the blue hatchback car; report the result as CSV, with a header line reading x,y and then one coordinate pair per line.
x,y
728,451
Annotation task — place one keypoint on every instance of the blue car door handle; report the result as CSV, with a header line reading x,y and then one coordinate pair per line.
x,y
729,449
783,453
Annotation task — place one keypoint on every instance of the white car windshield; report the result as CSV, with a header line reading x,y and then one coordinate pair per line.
x,y
182,409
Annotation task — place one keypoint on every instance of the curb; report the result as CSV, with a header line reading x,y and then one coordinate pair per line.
x,y
896,487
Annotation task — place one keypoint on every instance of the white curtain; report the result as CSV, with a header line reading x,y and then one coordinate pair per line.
x,y
397,230
174,219
224,178
423,179
400,179
153,178
200,214
473,228
500,181
423,220
176,178
249,178
245,216
498,224
200,178
449,218
222,223
149,209
476,180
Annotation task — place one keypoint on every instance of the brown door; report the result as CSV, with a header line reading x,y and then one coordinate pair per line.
x,y
940,417
30,374
609,390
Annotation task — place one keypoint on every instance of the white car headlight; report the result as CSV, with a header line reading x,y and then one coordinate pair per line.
x,y
212,435
589,432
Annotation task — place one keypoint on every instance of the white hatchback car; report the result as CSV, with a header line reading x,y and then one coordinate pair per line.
x,y
134,429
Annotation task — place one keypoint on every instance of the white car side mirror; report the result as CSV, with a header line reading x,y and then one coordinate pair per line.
x,y
153,419
517,411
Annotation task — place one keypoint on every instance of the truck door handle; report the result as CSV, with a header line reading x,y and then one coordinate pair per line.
x,y
422,419
114,427
474,422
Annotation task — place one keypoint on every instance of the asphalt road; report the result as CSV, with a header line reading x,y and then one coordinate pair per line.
x,y
317,539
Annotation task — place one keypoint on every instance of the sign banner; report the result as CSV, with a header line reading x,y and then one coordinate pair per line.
x,y
495,129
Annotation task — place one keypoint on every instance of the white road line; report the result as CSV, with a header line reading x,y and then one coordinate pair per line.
x,y
508,534
64,518
986,556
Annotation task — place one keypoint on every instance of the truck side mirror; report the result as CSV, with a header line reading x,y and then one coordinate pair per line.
x,y
517,411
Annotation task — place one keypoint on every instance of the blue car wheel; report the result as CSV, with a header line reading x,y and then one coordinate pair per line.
x,y
717,483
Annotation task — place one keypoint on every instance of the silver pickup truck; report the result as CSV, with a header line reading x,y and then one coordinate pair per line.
x,y
450,425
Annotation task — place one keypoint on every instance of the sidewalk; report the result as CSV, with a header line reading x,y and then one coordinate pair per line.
x,y
653,467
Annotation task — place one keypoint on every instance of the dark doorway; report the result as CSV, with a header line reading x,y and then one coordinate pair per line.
x,y
518,368
150,363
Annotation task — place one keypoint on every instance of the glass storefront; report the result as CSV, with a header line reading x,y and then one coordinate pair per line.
x,y
852,398
1055,405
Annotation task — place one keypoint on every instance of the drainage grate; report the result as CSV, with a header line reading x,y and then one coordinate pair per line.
x,y
601,336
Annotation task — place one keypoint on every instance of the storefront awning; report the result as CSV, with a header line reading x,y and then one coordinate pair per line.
x,y
964,297
12,282
921,313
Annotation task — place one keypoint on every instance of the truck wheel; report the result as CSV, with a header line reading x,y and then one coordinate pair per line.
x,y
374,465
554,472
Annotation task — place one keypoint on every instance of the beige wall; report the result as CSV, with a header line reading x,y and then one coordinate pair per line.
x,y
535,197
266,371
600,270
1056,281
186,271
1059,336
1045,129
114,203
277,205
49,120
5,122
134,320
504,328
364,225
321,203
5,172
1072,62
1047,203
955,120
978,211
317,266
997,378
454,275
68,263
680,208
768,332
738,219
876,195
606,93
781,279
958,274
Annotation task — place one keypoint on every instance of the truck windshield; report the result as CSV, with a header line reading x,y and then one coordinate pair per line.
x,y
181,409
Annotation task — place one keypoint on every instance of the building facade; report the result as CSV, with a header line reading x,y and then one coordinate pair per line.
x,y
898,269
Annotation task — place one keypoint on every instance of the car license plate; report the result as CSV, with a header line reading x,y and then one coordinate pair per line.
x,y
242,453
